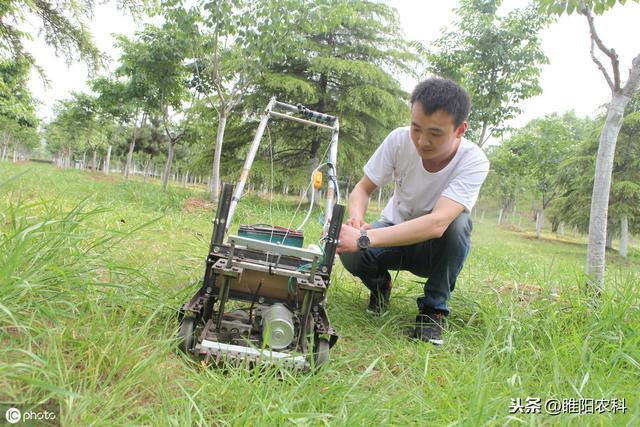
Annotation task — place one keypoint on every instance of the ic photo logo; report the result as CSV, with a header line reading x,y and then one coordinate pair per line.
x,y
13,415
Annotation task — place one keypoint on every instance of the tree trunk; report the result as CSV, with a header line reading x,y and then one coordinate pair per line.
x,y
215,182
482,217
624,235
133,144
167,166
379,196
127,168
539,223
600,195
513,214
145,173
107,163
561,228
609,241
500,216
84,160
482,134
94,163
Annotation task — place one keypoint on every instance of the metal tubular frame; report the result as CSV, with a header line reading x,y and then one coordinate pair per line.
x,y
329,122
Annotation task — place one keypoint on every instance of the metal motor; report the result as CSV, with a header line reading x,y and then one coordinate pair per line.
x,y
277,326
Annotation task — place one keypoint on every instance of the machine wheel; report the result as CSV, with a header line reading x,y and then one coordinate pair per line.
x,y
321,352
186,334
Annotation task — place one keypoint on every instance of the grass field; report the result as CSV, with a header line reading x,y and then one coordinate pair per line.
x,y
92,270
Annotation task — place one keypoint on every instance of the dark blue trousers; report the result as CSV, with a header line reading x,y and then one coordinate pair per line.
x,y
439,260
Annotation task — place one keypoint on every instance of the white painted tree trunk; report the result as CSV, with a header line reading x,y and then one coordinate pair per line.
x,y
513,214
539,223
379,196
167,166
94,160
601,187
132,145
147,168
127,168
561,228
500,216
215,182
107,163
624,236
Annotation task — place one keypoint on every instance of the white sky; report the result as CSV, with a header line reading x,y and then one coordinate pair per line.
x,y
570,80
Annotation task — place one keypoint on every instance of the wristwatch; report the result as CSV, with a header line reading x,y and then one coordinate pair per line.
x,y
363,240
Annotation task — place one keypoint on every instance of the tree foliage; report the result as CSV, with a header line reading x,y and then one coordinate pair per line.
x,y
497,58
342,64
18,122
63,24
576,176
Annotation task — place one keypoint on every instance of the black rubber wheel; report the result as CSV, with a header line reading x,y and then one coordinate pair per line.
x,y
321,352
186,334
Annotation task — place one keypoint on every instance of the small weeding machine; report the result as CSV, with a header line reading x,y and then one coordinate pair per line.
x,y
282,284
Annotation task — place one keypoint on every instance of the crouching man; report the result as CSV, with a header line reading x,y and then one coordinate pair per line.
x,y
425,227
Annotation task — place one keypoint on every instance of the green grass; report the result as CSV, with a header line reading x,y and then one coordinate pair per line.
x,y
92,271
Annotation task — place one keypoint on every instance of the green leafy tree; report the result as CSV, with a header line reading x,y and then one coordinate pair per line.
x,y
88,124
539,148
496,58
18,122
233,42
63,25
119,108
60,133
506,181
621,94
135,91
157,56
343,64
576,181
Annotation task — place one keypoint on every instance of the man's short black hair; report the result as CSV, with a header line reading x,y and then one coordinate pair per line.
x,y
436,93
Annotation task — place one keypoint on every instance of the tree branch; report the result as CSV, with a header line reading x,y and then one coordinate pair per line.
x,y
601,67
633,82
611,53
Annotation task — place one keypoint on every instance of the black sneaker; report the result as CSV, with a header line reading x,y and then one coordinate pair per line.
x,y
429,326
379,301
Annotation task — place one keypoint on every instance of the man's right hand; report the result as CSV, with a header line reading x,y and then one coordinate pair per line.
x,y
358,223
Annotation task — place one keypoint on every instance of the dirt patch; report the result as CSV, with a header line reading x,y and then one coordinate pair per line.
x,y
194,204
522,291
510,227
102,177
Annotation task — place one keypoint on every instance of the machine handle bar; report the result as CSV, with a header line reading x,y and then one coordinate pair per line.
x,y
307,113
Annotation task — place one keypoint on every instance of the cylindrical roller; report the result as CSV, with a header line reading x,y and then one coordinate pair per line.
x,y
277,326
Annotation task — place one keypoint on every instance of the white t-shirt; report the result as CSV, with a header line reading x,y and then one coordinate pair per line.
x,y
417,190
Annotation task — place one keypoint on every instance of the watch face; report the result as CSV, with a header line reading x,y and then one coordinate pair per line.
x,y
363,242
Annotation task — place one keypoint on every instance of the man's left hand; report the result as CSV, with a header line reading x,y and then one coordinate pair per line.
x,y
348,239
